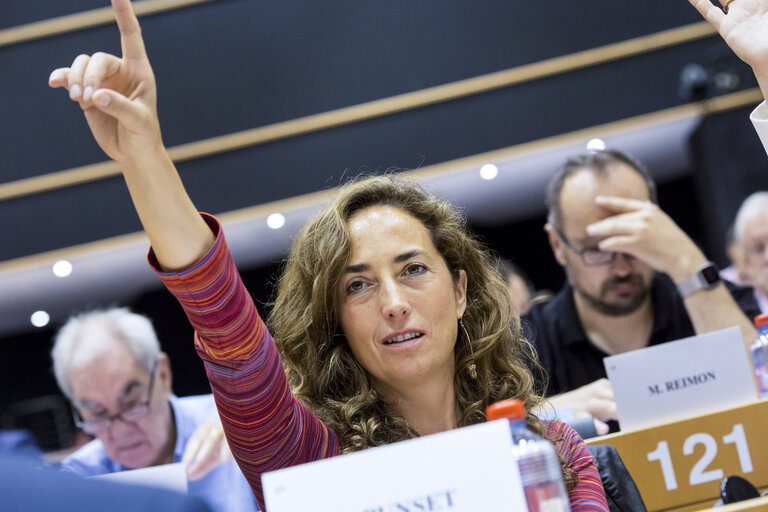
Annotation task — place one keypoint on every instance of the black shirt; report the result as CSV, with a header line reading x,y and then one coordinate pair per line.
x,y
571,360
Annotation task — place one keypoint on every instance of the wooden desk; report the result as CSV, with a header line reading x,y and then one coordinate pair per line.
x,y
678,466
744,506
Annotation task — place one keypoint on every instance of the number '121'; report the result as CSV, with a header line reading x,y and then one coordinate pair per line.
x,y
699,473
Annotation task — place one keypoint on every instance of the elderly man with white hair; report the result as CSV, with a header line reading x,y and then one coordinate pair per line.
x,y
109,364
750,232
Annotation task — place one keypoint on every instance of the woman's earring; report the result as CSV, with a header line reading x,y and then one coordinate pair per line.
x,y
472,365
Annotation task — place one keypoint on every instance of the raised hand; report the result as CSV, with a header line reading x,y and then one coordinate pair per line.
x,y
118,95
643,230
745,28
119,98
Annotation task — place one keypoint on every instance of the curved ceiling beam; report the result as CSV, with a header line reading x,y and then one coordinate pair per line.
x,y
373,109
85,19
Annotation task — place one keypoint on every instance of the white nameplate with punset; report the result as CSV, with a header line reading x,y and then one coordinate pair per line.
x,y
463,470
680,379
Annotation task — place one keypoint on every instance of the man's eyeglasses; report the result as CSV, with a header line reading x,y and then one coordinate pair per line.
x,y
131,414
591,256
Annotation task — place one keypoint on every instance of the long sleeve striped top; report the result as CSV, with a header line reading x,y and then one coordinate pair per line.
x,y
266,426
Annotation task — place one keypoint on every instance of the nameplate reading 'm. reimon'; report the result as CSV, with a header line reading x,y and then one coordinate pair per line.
x,y
679,379
682,383
463,470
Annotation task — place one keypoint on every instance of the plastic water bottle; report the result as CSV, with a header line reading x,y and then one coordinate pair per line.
x,y
536,458
760,354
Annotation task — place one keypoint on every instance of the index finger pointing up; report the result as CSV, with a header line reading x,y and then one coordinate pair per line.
x,y
130,31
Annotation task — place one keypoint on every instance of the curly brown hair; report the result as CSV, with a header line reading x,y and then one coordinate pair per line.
x,y
321,368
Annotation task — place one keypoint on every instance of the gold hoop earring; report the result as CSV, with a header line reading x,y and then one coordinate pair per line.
x,y
472,366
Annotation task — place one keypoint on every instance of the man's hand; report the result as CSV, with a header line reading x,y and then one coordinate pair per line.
x,y
206,449
595,400
118,95
641,229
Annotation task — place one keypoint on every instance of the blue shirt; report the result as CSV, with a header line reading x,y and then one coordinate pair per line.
x,y
224,489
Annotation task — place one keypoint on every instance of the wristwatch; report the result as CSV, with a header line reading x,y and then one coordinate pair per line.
x,y
706,278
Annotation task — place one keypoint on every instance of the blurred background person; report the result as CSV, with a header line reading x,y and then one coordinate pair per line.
x,y
521,289
733,272
634,279
518,285
109,364
750,240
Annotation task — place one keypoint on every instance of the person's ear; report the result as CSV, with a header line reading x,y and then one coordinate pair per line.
x,y
556,243
164,374
460,288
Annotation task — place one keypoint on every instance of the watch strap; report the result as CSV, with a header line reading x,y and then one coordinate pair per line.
x,y
706,278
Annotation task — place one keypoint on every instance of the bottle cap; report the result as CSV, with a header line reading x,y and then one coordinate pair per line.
x,y
761,320
512,409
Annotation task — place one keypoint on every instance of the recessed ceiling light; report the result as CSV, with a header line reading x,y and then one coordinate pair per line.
x,y
276,221
40,318
62,268
489,171
595,145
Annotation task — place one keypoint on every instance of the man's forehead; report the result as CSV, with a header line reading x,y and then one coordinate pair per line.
x,y
106,377
577,197
96,350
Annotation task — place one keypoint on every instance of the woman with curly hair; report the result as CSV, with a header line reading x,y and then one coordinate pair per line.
x,y
391,321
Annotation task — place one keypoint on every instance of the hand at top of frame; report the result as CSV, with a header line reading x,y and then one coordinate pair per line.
x,y
118,95
744,28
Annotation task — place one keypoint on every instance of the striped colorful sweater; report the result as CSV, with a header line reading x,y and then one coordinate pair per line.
x,y
267,427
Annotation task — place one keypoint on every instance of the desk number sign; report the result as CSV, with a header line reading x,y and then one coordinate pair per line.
x,y
682,463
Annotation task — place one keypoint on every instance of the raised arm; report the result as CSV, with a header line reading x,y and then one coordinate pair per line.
x,y
119,99
745,28
266,427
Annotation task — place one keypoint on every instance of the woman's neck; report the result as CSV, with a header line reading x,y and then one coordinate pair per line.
x,y
428,406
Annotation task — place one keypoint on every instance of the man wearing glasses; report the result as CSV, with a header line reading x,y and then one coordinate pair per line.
x,y
108,363
634,279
